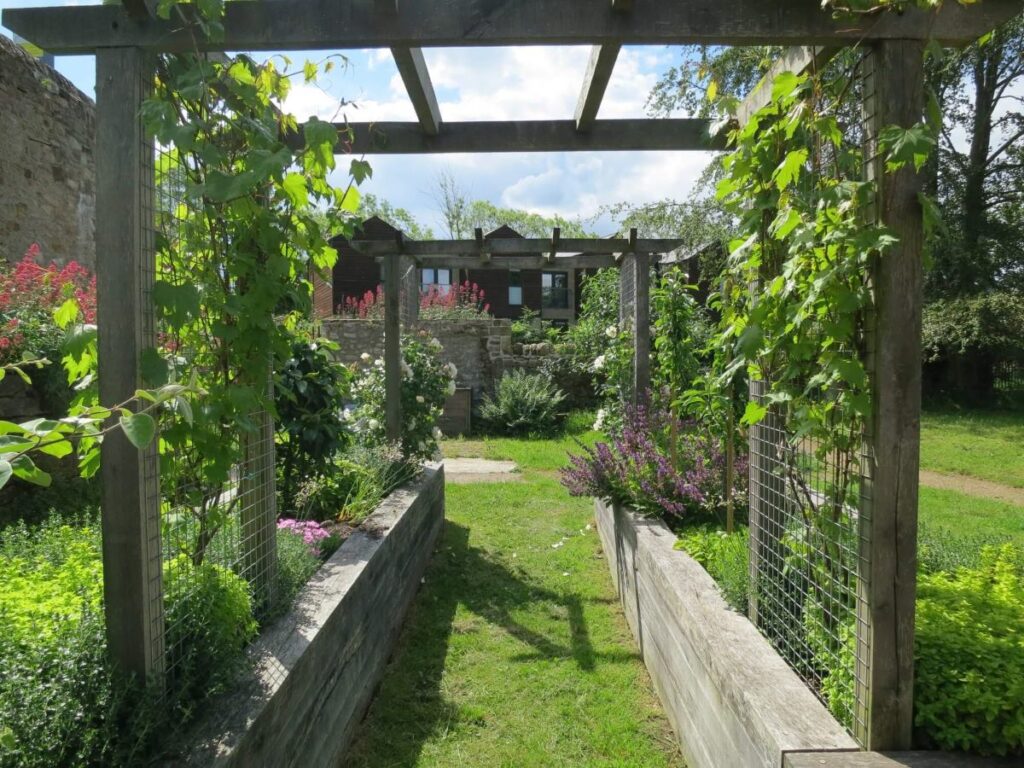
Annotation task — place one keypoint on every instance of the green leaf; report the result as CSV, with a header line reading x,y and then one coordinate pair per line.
x,y
294,186
139,428
6,472
180,303
789,169
753,413
360,171
350,202
66,313
26,469
154,367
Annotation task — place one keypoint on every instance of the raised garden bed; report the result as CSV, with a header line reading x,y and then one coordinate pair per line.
x,y
731,698
314,671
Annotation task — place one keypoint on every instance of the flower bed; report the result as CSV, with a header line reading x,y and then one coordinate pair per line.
x,y
315,670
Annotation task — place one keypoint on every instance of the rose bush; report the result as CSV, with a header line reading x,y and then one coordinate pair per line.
x,y
426,383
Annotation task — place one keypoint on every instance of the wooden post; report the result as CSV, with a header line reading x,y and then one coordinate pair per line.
x,y
392,349
627,313
125,270
641,327
887,582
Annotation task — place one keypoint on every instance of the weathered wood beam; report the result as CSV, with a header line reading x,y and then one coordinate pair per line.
x,y
595,83
526,136
887,567
125,261
392,349
412,68
328,24
508,247
583,261
800,59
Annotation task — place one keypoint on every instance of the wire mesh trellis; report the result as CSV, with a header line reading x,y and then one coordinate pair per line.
x,y
210,528
810,508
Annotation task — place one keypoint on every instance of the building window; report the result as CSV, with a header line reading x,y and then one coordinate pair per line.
x,y
436,278
554,290
515,288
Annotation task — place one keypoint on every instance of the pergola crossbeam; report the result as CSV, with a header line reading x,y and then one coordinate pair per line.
x,y
329,24
513,247
408,138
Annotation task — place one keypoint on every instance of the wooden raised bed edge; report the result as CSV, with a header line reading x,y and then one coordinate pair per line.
x,y
315,670
732,700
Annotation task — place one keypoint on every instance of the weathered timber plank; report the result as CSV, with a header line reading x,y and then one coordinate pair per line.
x,y
918,759
392,349
412,68
595,83
643,134
314,672
125,268
800,59
887,577
731,697
328,24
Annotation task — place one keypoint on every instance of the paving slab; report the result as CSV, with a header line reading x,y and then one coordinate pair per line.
x,y
461,471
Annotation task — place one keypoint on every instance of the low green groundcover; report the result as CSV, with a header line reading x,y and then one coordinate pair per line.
x,y
61,701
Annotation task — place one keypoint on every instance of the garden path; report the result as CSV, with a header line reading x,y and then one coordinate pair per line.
x,y
516,652
973,486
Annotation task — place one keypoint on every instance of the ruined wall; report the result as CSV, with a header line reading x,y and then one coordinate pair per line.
x,y
47,172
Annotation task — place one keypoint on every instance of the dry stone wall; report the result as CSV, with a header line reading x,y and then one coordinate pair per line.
x,y
47,169
482,350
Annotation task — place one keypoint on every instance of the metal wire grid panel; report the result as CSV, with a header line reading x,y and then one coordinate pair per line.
x,y
806,553
810,515
1008,376
210,532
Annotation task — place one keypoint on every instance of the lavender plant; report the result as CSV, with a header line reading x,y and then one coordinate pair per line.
x,y
636,468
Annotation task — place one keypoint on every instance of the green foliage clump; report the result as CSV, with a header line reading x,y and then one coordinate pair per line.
x,y
726,556
523,404
969,651
354,485
426,384
940,549
309,390
209,619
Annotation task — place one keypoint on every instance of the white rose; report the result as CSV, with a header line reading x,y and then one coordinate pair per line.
x,y
599,421
379,362
452,370
421,445
365,357
451,388
435,344
437,433
419,399
611,331
599,363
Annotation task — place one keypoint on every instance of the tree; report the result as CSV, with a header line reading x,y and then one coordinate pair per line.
x,y
397,217
489,217
454,205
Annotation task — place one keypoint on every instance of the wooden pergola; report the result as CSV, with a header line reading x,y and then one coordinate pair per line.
x,y
124,38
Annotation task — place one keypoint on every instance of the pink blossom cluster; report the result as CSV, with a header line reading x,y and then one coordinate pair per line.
x,y
312,532
460,299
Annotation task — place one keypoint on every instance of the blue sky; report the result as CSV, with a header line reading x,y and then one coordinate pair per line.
x,y
489,84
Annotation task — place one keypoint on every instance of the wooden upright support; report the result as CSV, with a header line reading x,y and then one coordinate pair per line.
x,y
641,325
392,348
125,270
894,95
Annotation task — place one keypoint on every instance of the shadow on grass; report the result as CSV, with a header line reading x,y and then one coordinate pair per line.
x,y
410,707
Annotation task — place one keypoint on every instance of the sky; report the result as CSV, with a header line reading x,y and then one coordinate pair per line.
x,y
487,84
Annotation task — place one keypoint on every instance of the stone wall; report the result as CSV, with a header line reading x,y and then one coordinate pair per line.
x,y
482,350
47,172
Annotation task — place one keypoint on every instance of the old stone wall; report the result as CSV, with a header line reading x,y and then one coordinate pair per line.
x,y
47,171
482,350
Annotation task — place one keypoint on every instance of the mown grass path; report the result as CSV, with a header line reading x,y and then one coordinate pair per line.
x,y
516,653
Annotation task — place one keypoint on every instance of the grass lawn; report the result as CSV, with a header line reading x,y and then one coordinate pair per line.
x,y
516,653
985,444
969,516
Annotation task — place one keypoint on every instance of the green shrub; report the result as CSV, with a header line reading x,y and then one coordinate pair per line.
x,y
969,650
724,556
523,404
296,564
941,549
209,620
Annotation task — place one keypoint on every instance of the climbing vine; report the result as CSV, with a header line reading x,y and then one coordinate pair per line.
x,y
245,210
